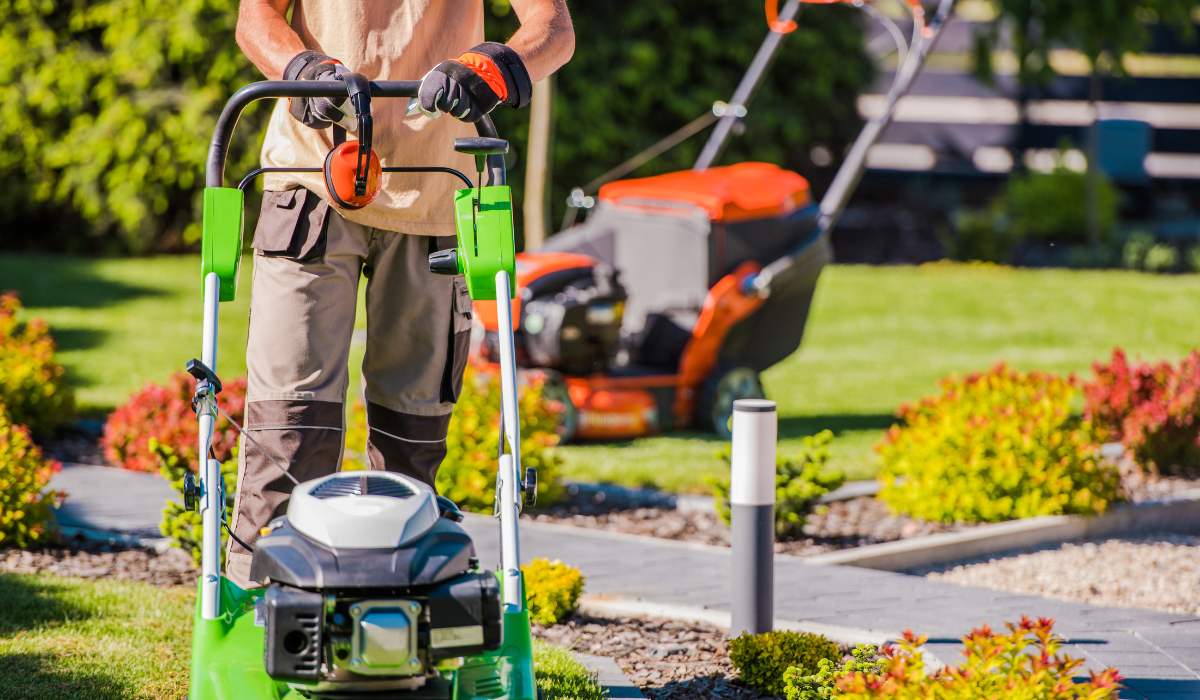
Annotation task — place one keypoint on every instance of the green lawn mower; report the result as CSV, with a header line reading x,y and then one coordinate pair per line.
x,y
372,588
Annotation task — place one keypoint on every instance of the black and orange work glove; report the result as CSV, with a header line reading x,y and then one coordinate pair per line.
x,y
471,85
318,112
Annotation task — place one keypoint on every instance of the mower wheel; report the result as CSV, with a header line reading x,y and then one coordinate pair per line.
x,y
723,387
554,390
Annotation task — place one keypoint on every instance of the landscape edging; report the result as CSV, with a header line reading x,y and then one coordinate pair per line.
x,y
1180,513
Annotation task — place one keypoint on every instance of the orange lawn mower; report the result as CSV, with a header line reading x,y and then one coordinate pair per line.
x,y
666,304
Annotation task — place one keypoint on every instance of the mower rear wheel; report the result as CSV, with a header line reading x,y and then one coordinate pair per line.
x,y
554,391
720,390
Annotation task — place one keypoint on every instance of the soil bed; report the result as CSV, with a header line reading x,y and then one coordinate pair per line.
x,y
84,559
666,659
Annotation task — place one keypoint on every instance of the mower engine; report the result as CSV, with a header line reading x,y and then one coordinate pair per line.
x,y
370,583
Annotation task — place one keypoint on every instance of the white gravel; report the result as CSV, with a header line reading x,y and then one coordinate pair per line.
x,y
1157,572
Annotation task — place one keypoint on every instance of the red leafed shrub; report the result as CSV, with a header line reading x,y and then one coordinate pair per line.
x,y
1154,409
164,413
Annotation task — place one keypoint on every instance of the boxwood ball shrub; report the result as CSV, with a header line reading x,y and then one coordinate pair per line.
x,y
552,590
994,446
1153,408
161,414
25,503
762,659
800,482
1024,662
33,385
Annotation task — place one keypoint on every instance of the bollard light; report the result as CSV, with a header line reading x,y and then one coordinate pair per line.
x,y
752,501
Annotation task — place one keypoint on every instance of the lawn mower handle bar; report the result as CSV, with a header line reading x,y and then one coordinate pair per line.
x,y
223,134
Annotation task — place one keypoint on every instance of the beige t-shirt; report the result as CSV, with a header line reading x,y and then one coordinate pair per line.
x,y
384,40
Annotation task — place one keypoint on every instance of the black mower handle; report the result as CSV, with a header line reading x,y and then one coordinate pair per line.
x,y
219,148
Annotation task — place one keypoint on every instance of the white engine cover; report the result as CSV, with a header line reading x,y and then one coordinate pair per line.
x,y
363,510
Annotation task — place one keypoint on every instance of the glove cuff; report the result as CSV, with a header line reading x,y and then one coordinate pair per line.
x,y
509,66
295,67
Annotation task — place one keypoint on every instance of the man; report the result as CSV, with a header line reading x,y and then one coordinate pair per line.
x,y
309,253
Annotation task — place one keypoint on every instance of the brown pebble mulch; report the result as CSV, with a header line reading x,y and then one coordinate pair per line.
x,y
666,659
83,559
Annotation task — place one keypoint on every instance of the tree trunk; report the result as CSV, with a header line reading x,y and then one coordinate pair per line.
x,y
537,164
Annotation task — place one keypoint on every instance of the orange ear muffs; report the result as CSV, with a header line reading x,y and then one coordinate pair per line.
x,y
342,176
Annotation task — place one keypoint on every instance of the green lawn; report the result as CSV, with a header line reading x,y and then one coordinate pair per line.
x,y
102,640
881,336
878,336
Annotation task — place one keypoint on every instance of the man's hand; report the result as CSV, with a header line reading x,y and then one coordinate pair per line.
x,y
318,112
471,85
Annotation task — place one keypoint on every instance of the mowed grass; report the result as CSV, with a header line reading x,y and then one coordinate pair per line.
x,y
877,337
112,640
881,336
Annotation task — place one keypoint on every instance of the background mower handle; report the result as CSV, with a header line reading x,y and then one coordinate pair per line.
x,y
223,134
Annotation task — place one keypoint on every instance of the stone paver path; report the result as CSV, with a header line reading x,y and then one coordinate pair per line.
x,y
1158,653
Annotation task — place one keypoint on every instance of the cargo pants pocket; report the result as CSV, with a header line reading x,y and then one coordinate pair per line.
x,y
292,224
460,341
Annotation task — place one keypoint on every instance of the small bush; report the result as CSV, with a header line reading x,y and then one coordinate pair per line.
x,y
182,526
1154,409
762,659
800,482
985,235
995,446
1023,663
1137,246
25,505
1193,258
552,590
468,474
822,685
1161,258
162,414
1050,205
32,384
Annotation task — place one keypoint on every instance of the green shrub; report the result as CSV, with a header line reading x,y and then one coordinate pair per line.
x,y
468,474
1161,258
762,659
822,685
26,506
800,482
995,446
183,526
1025,662
984,235
1193,258
33,385
106,106
1051,205
1137,246
552,590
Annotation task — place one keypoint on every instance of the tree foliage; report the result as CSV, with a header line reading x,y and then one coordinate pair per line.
x,y
107,106
1103,30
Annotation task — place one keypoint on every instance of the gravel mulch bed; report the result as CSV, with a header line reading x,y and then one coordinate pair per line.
x,y
1158,572
85,559
666,659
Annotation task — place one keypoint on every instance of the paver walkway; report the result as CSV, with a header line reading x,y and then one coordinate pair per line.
x,y
1158,653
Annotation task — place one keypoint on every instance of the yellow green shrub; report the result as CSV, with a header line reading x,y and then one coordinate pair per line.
x,y
995,446
468,474
1024,663
25,503
552,590
763,659
182,526
32,384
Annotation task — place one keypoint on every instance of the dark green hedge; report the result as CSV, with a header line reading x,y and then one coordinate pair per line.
x,y
106,106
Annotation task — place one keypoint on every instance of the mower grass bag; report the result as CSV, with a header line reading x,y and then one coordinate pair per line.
x,y
645,308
